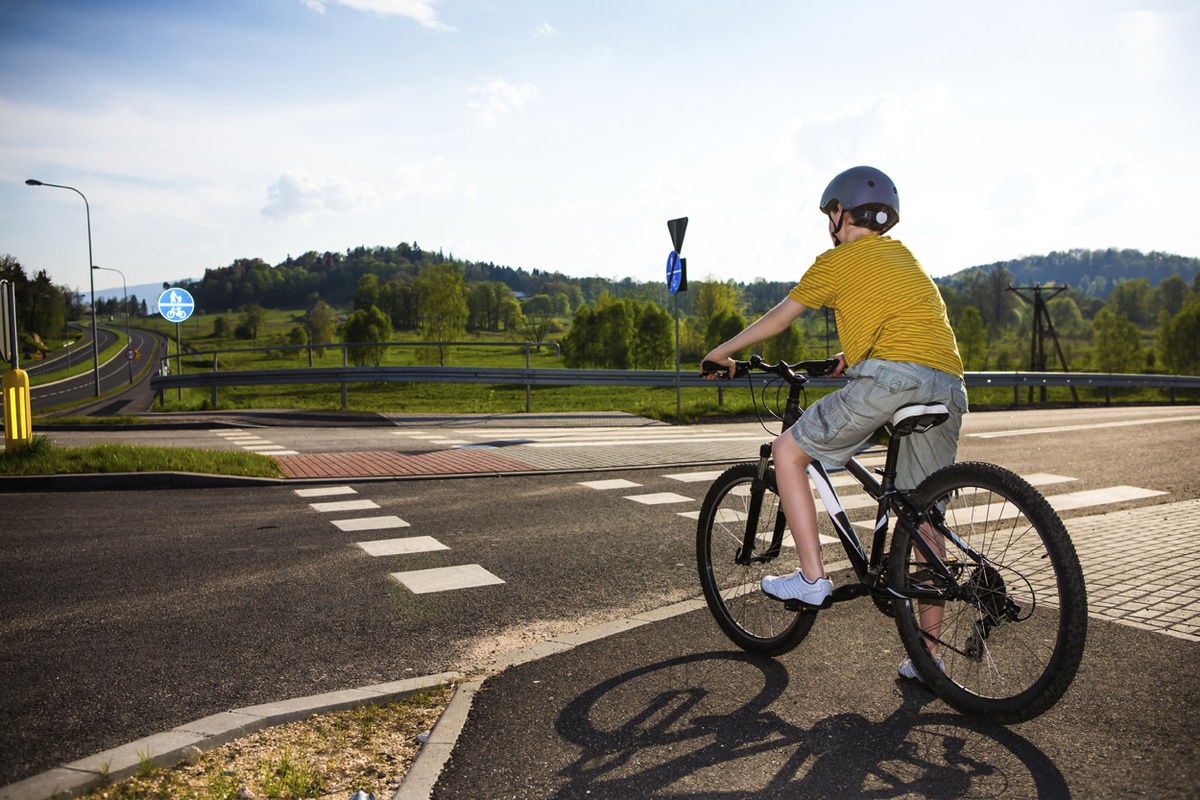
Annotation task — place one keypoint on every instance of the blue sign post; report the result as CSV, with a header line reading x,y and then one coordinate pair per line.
x,y
176,305
676,283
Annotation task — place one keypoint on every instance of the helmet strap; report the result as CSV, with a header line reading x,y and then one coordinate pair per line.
x,y
838,226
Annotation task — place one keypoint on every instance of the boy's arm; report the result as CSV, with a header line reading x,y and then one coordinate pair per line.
x,y
774,321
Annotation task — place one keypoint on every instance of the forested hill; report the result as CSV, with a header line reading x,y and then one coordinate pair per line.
x,y
334,277
1092,272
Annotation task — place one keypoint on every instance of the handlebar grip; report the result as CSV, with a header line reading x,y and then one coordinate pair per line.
x,y
710,367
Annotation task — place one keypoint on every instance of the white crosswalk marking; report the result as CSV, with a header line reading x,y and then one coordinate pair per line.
x,y
370,523
396,547
659,498
695,477
615,483
325,491
442,579
344,505
424,581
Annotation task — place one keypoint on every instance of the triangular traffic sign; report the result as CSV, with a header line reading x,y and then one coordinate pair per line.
x,y
677,228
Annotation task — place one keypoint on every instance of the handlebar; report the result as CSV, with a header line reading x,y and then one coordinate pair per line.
x,y
788,372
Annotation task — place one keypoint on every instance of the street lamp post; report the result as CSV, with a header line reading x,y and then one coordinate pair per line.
x,y
91,277
125,304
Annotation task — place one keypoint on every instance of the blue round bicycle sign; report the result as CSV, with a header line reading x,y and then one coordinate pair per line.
x,y
176,305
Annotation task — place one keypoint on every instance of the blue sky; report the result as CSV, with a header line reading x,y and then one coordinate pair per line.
x,y
563,135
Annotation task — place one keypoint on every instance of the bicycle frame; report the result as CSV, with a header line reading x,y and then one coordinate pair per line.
x,y
868,567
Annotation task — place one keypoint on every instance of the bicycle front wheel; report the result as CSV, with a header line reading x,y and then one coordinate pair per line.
x,y
1011,632
753,621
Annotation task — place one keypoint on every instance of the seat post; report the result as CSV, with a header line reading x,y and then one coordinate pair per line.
x,y
888,471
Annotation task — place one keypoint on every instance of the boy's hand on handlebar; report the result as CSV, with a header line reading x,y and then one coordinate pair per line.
x,y
712,370
837,371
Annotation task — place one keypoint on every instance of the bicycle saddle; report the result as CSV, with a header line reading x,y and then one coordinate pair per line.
x,y
917,418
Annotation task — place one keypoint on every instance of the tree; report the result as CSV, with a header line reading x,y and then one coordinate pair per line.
x,y
538,313
726,324
1132,298
1118,343
297,338
654,336
365,332
578,343
480,305
253,317
1179,340
788,345
220,327
320,322
972,337
442,307
367,292
713,297
1171,295
613,324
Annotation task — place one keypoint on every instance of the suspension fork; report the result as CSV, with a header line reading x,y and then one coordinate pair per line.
x,y
758,490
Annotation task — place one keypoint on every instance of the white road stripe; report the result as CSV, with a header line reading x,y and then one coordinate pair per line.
x,y
659,498
619,442
370,523
1091,426
615,483
344,505
444,579
695,477
397,547
325,491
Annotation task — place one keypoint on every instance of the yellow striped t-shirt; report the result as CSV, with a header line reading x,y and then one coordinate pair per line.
x,y
887,306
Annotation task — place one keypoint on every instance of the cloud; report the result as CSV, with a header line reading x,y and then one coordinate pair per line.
x,y
545,30
499,97
419,11
1144,45
299,195
423,179
887,121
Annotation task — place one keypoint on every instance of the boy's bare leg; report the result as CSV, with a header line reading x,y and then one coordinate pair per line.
x,y
929,614
795,494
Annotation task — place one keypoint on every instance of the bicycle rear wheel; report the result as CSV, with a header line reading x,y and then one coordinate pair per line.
x,y
753,621
1012,634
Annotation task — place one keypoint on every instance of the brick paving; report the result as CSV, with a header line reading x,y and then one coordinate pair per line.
x,y
1140,566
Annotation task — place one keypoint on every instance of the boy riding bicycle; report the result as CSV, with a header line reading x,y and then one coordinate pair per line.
x,y
899,349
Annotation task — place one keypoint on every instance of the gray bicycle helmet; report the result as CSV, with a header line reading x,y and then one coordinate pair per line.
x,y
868,194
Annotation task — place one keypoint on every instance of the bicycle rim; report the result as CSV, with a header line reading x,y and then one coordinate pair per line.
x,y
1013,637
753,621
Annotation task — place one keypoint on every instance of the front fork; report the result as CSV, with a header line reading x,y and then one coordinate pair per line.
x,y
758,490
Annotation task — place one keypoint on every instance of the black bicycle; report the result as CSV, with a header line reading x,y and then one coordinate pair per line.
x,y
977,554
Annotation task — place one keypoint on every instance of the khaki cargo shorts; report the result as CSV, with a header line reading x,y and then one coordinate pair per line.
x,y
836,427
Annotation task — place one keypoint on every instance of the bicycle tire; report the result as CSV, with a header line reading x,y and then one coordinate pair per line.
x,y
1013,639
754,622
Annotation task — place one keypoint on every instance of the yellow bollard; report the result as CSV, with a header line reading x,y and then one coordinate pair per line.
x,y
18,421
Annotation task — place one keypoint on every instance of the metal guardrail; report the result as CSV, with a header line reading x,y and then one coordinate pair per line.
x,y
529,377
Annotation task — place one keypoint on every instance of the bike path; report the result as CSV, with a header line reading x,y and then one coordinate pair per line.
x,y
667,707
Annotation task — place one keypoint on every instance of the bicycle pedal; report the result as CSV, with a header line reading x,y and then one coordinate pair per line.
x,y
849,591
796,605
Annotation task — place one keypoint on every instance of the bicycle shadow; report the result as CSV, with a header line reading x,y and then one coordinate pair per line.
x,y
721,726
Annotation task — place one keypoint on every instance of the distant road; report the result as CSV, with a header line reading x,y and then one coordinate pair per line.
x,y
114,373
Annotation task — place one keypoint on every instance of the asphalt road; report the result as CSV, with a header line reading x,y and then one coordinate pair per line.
x,y
114,373
127,613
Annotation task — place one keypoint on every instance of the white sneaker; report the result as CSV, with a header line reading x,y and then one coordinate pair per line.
x,y
797,587
907,670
